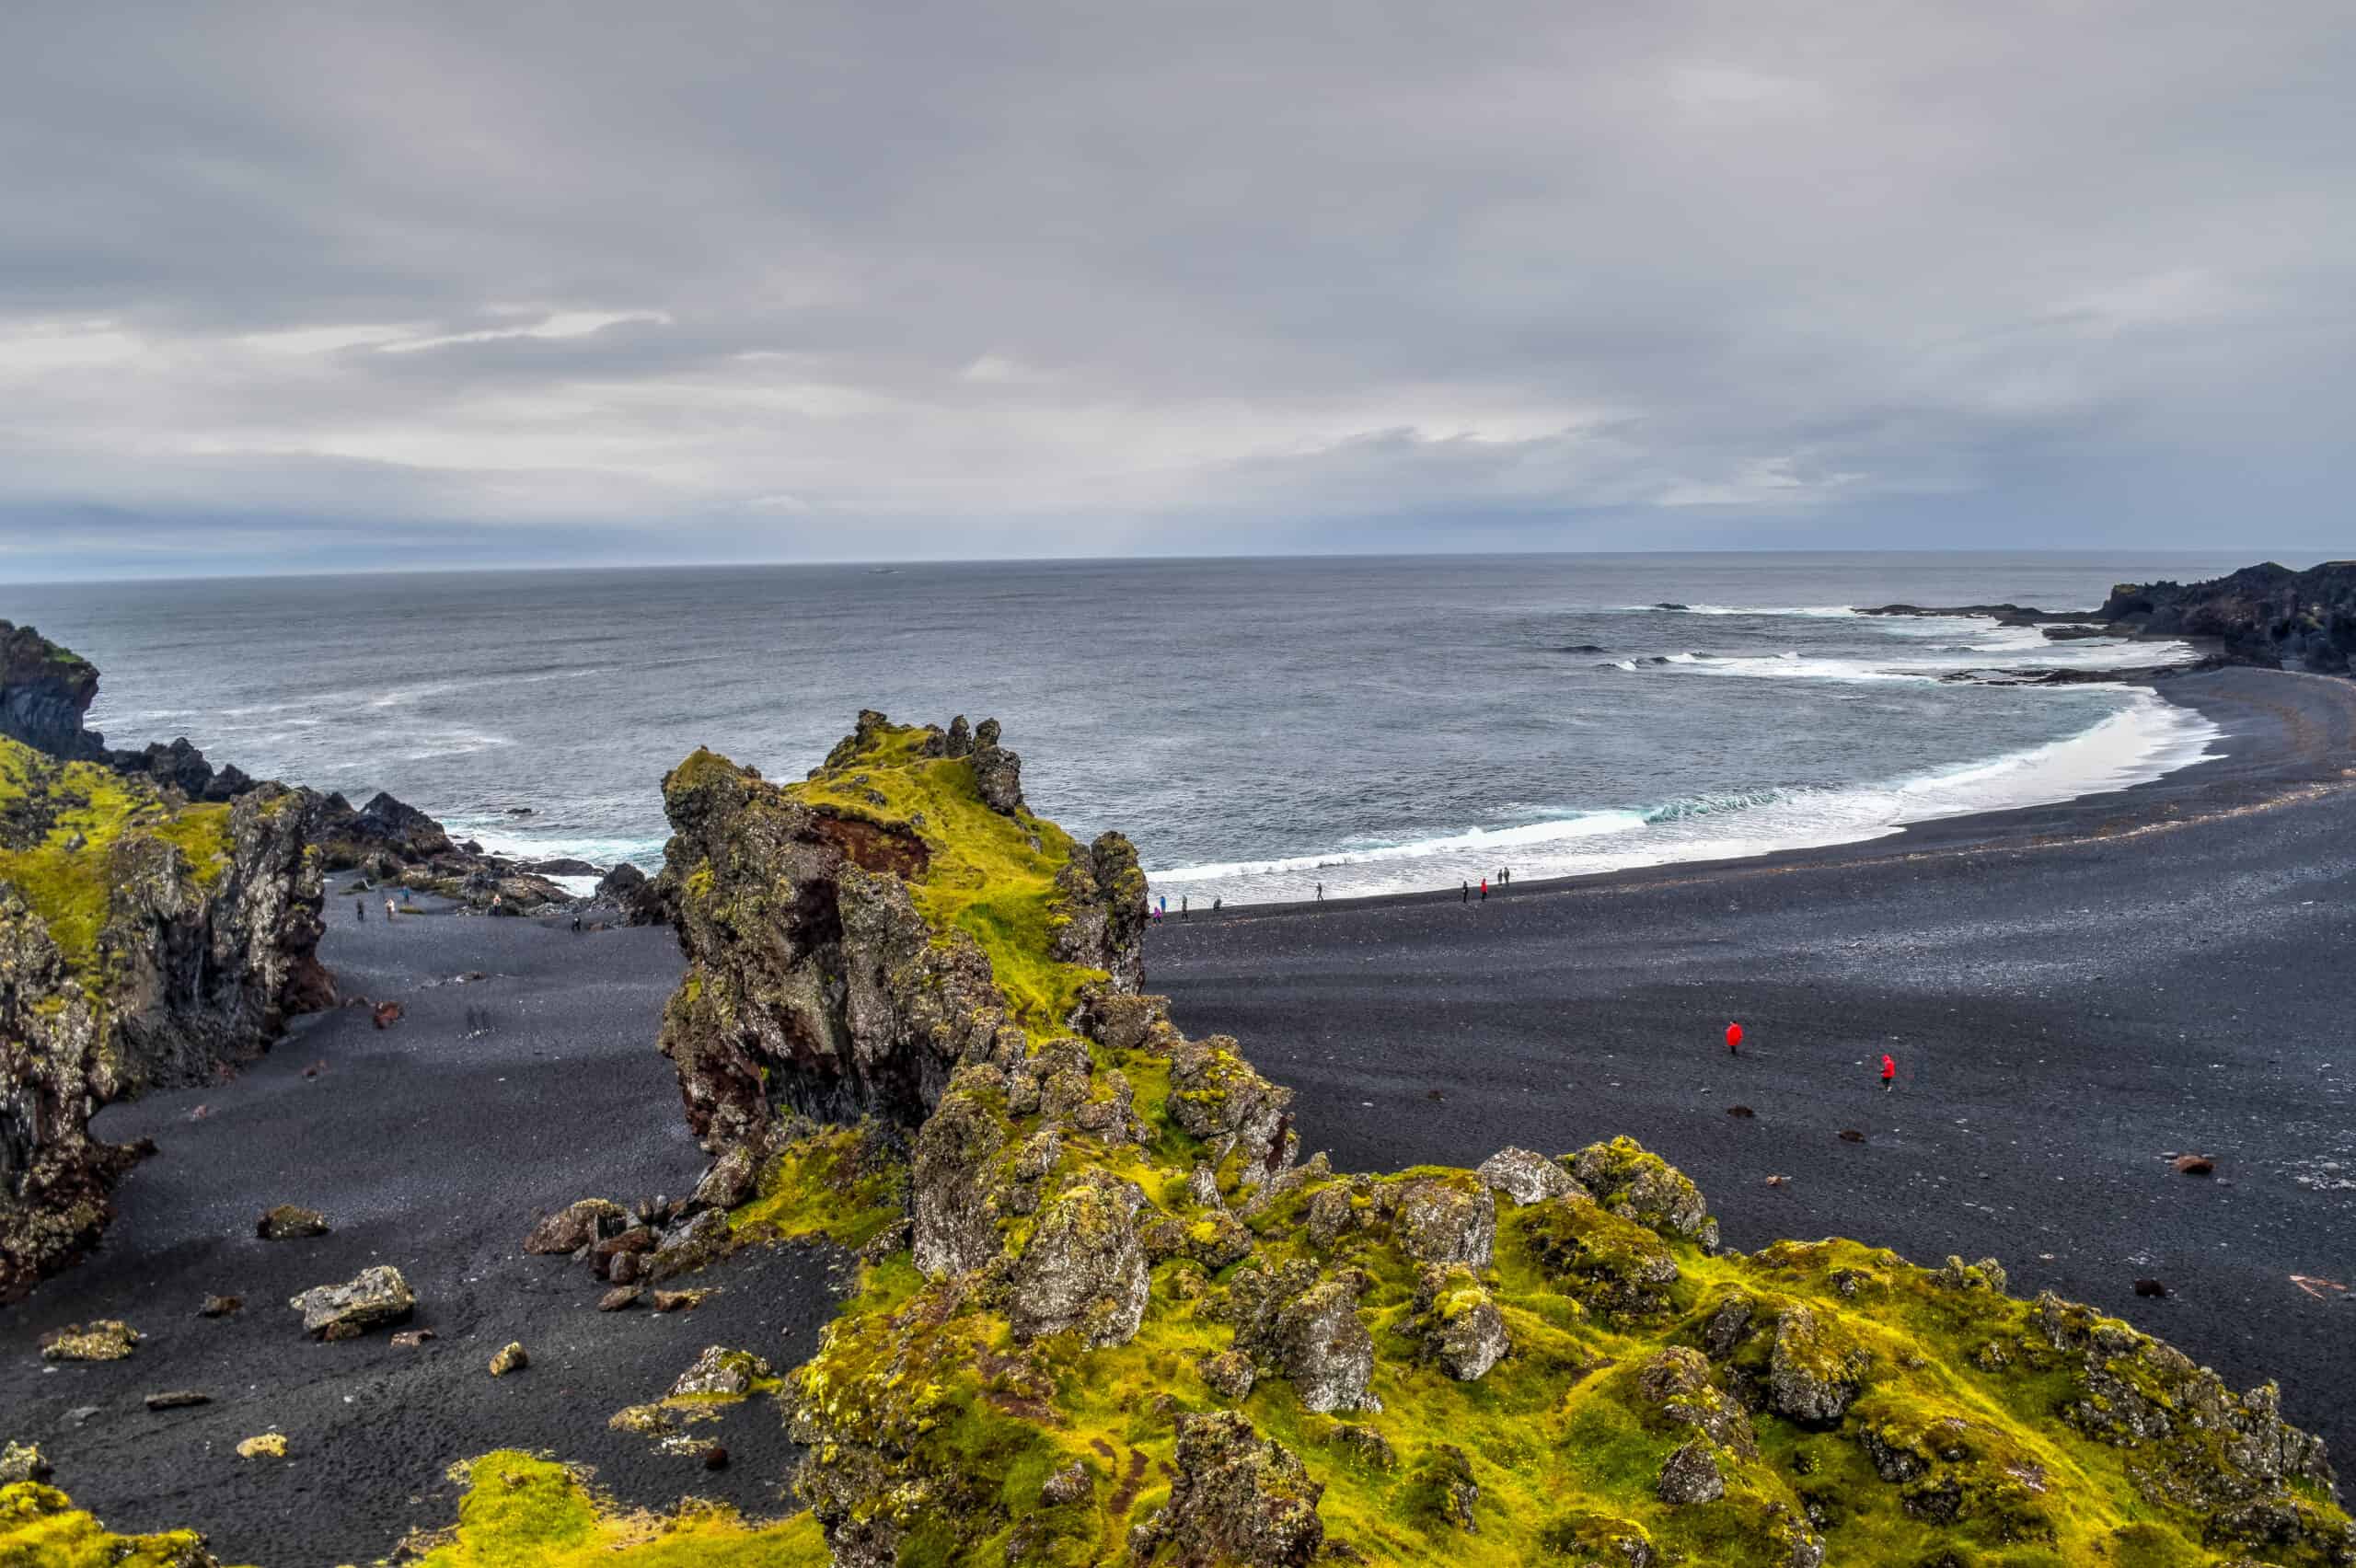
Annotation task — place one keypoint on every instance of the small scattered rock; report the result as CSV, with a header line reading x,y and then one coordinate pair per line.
x,y
1068,1485
1779,1181
315,1069
678,1301
1525,1177
288,1223
715,1457
268,1446
385,1014
103,1338
617,1299
177,1399
1851,1134
1745,1112
220,1305
22,1462
80,1416
1691,1475
1229,1375
575,1226
2149,1287
2194,1165
370,1299
512,1358
720,1370
409,1339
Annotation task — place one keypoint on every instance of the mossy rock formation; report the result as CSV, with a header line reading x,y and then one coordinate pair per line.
x,y
144,941
1117,1319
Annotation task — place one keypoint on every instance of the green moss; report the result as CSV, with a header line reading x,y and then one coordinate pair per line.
x,y
991,875
39,1528
60,823
835,1184
523,1512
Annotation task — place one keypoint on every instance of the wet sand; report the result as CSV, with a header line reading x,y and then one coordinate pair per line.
x,y
2072,993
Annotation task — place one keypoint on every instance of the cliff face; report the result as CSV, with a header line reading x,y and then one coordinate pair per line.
x,y
142,942
2267,615
834,937
1120,1321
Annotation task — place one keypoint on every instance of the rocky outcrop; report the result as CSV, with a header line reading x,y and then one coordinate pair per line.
x,y
142,945
819,982
2264,615
44,691
1237,1499
1110,1261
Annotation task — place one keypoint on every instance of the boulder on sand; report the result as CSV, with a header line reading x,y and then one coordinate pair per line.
x,y
287,1223
373,1299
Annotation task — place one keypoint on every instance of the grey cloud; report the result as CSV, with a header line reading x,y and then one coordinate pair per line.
x,y
1051,278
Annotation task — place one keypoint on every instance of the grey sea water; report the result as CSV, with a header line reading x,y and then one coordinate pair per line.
x,y
1259,727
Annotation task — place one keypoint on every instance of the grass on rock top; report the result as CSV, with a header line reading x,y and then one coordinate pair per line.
x,y
60,821
991,876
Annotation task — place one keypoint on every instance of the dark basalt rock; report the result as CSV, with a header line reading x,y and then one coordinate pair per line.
x,y
44,691
2264,615
1237,1499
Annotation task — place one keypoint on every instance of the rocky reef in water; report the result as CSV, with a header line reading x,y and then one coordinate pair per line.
x,y
2264,615
1115,1317
2268,615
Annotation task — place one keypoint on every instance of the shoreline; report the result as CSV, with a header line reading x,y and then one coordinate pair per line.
x,y
2248,754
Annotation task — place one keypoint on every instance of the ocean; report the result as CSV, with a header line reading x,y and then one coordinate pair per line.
x,y
1259,727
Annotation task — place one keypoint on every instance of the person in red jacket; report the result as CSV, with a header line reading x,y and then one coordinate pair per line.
x,y
1889,1072
1733,1040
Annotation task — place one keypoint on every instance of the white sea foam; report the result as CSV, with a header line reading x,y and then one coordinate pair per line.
x,y
2145,739
1816,612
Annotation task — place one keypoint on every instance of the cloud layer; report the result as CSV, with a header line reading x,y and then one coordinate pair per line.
x,y
340,285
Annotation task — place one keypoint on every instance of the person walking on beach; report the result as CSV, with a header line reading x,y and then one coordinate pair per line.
x,y
1320,892
1183,914
1889,1072
1468,892
389,909
360,910
1733,1040
1164,908
1484,889
1214,904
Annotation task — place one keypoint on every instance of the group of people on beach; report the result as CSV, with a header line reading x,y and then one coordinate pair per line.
x,y
360,907
1504,880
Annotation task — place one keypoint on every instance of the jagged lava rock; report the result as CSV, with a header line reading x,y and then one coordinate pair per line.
x,y
373,1299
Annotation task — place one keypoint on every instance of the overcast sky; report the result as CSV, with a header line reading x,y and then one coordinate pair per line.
x,y
306,286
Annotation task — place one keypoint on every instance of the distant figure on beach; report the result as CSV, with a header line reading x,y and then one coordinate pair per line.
x,y
1164,908
360,910
576,924
1889,1072
1505,877
409,896
1182,913
1733,1040
1320,892
1484,889
1214,904
388,908
1468,892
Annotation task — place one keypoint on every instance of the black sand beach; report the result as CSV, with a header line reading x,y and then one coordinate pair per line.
x,y
2072,993
433,1148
